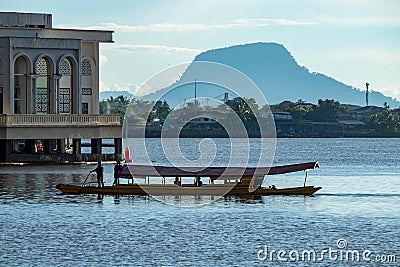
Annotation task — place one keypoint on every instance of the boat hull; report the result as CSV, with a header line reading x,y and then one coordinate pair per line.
x,y
171,190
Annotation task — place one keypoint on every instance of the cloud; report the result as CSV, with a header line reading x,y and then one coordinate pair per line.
x,y
362,21
392,91
103,87
131,88
173,27
150,49
162,79
269,22
103,59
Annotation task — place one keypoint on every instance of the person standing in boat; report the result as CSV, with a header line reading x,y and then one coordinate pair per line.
x,y
177,181
198,182
99,173
117,169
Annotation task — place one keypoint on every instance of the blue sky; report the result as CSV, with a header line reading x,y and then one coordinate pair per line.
x,y
351,41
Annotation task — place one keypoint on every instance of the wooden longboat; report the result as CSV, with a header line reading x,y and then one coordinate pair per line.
x,y
223,181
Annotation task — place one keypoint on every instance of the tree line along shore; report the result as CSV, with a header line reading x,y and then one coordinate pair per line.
x,y
327,118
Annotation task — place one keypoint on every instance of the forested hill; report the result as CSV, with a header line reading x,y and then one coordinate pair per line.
x,y
279,76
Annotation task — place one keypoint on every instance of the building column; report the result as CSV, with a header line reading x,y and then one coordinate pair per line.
x,y
96,145
29,146
46,146
55,83
118,146
76,98
76,146
95,79
8,81
6,149
32,109
60,146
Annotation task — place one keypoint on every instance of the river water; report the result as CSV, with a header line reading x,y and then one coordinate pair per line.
x,y
356,211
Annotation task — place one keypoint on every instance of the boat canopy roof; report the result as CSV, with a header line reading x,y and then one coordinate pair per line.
x,y
164,171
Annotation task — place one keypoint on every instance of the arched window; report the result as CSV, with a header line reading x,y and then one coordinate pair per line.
x,y
86,68
42,86
20,85
42,67
65,91
65,67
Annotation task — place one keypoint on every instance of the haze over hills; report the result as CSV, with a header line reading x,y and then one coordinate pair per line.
x,y
275,71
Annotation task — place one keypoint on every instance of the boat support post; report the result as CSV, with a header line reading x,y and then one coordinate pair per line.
x,y
305,179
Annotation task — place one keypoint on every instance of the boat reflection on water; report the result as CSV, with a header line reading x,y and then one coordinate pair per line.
x,y
256,199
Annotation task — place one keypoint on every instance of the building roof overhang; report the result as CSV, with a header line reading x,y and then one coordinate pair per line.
x,y
84,35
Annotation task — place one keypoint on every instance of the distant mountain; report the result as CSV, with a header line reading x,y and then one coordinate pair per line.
x,y
278,75
106,94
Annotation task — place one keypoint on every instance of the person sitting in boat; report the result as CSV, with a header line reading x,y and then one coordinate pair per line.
x,y
273,187
177,181
117,169
99,173
198,182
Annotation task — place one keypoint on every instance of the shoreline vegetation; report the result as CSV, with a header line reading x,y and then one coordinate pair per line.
x,y
327,118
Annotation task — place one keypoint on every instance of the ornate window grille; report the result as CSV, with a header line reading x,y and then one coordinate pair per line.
x,y
86,68
41,67
64,100
41,100
65,67
86,91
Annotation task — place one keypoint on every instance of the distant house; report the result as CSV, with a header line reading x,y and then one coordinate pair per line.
x,y
323,129
396,111
282,116
366,111
342,128
49,91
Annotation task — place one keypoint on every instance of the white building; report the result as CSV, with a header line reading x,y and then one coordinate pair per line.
x,y
49,89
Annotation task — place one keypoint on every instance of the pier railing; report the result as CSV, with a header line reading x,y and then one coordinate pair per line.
x,y
58,120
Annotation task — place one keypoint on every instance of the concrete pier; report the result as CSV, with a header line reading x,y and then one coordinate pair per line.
x,y
42,138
